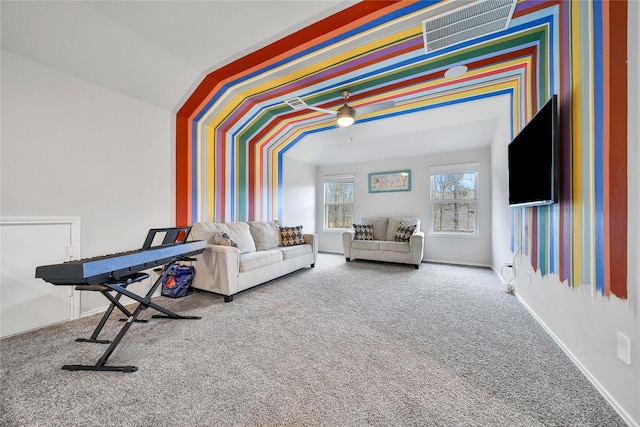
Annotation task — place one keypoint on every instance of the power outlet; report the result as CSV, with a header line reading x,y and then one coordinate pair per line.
x,y
624,348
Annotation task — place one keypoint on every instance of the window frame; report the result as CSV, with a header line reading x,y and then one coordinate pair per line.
x,y
450,170
348,178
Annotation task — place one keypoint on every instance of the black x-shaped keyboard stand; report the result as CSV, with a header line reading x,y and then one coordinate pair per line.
x,y
119,286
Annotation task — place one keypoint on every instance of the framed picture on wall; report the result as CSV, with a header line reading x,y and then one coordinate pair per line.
x,y
385,182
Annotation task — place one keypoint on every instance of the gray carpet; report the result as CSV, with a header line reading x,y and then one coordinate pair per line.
x,y
342,344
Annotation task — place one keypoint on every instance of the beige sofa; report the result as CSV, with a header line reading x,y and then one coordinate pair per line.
x,y
375,239
240,255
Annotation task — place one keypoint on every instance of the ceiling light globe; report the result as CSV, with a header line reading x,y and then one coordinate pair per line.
x,y
346,115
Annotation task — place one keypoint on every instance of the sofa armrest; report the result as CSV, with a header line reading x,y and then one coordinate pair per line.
x,y
312,239
221,249
416,243
217,269
347,238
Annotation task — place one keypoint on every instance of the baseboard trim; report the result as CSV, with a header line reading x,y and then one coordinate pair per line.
x,y
469,264
603,391
426,260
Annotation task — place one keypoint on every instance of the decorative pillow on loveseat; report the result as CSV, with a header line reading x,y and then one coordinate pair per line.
x,y
363,231
291,236
405,231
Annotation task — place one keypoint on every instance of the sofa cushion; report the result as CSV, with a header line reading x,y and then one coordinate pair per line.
x,y
222,238
204,231
239,231
394,223
266,234
291,236
404,232
289,252
379,226
395,246
252,260
371,245
363,231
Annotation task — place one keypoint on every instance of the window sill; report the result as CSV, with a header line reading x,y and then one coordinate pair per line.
x,y
455,235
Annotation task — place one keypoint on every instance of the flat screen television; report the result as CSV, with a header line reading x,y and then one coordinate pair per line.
x,y
534,159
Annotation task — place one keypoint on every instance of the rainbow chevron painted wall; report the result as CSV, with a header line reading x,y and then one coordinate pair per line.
x,y
232,132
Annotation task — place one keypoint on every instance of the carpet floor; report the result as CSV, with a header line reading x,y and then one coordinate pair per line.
x,y
341,344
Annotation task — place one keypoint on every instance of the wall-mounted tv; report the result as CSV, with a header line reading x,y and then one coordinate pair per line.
x,y
534,159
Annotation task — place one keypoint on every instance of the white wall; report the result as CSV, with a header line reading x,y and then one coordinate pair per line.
x,y
415,203
586,326
299,194
71,148
500,211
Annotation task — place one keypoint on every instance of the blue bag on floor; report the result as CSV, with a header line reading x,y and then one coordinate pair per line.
x,y
177,282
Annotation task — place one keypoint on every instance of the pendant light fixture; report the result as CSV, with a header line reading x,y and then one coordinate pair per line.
x,y
346,115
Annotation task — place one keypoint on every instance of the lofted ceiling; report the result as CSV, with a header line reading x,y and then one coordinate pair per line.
x,y
159,51
154,51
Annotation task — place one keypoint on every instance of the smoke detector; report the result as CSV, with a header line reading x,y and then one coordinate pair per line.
x,y
464,20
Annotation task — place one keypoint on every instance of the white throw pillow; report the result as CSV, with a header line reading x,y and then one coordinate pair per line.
x,y
239,231
266,234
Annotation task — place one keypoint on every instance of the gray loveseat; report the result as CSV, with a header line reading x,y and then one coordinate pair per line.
x,y
240,255
375,239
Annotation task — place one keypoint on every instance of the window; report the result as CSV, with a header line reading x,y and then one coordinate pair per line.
x,y
338,202
454,199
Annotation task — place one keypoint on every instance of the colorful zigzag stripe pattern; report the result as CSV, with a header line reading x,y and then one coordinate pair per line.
x,y
232,132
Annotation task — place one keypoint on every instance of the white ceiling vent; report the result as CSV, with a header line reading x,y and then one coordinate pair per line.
x,y
296,103
466,22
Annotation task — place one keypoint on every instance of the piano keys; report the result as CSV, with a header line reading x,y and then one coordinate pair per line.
x,y
97,270
101,269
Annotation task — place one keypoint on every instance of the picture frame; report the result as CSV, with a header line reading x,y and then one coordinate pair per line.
x,y
392,181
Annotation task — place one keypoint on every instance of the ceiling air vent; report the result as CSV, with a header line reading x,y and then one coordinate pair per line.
x,y
296,103
472,20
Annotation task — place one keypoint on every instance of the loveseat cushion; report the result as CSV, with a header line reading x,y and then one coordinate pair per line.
x,y
291,236
379,226
395,246
394,223
266,234
371,245
252,260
